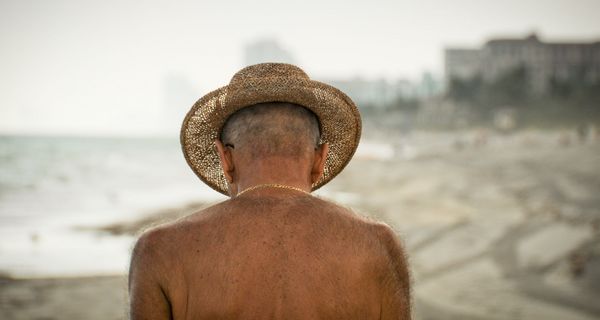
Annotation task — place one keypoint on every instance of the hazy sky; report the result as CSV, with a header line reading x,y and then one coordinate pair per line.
x,y
95,67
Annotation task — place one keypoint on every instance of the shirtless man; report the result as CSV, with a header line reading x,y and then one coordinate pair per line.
x,y
273,250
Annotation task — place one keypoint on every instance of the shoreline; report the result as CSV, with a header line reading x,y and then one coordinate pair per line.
x,y
136,226
503,228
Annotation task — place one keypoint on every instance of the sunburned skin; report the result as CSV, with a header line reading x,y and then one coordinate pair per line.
x,y
270,254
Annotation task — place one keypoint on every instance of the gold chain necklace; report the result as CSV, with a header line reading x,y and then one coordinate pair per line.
x,y
271,185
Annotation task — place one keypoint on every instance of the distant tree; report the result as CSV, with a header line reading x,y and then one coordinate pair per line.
x,y
510,88
576,86
404,105
572,100
465,90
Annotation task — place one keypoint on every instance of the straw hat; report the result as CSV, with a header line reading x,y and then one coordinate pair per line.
x,y
269,82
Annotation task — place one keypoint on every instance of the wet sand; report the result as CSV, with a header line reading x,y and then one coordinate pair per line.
x,y
64,298
504,229
509,229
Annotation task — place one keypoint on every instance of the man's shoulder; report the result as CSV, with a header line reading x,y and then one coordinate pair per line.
x,y
162,234
367,222
375,231
152,240
150,251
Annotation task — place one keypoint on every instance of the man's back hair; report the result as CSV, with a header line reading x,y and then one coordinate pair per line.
x,y
272,129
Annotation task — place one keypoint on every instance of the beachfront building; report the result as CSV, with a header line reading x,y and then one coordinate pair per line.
x,y
544,62
378,93
369,93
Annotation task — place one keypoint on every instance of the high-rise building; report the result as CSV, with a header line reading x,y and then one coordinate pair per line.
x,y
266,50
179,95
543,61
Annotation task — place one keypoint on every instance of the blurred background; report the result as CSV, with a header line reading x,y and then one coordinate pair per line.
x,y
480,144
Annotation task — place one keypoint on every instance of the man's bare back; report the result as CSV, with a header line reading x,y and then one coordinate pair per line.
x,y
272,251
283,255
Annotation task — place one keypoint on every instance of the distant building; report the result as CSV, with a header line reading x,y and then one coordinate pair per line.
x,y
179,94
266,50
380,92
366,93
429,86
543,61
462,63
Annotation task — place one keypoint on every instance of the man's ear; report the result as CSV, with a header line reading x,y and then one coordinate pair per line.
x,y
226,160
319,163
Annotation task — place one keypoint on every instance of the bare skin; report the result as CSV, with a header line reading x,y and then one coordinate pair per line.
x,y
270,253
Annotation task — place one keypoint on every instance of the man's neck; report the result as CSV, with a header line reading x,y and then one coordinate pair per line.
x,y
282,171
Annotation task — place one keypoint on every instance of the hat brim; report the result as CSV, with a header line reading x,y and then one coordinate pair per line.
x,y
338,116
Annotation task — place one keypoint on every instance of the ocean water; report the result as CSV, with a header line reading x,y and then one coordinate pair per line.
x,y
50,187
53,190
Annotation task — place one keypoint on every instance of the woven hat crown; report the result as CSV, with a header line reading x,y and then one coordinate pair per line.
x,y
266,71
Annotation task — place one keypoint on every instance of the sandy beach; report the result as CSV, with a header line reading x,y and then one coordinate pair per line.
x,y
506,227
64,298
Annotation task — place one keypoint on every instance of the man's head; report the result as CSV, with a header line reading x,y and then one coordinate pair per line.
x,y
278,136
272,129
338,120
